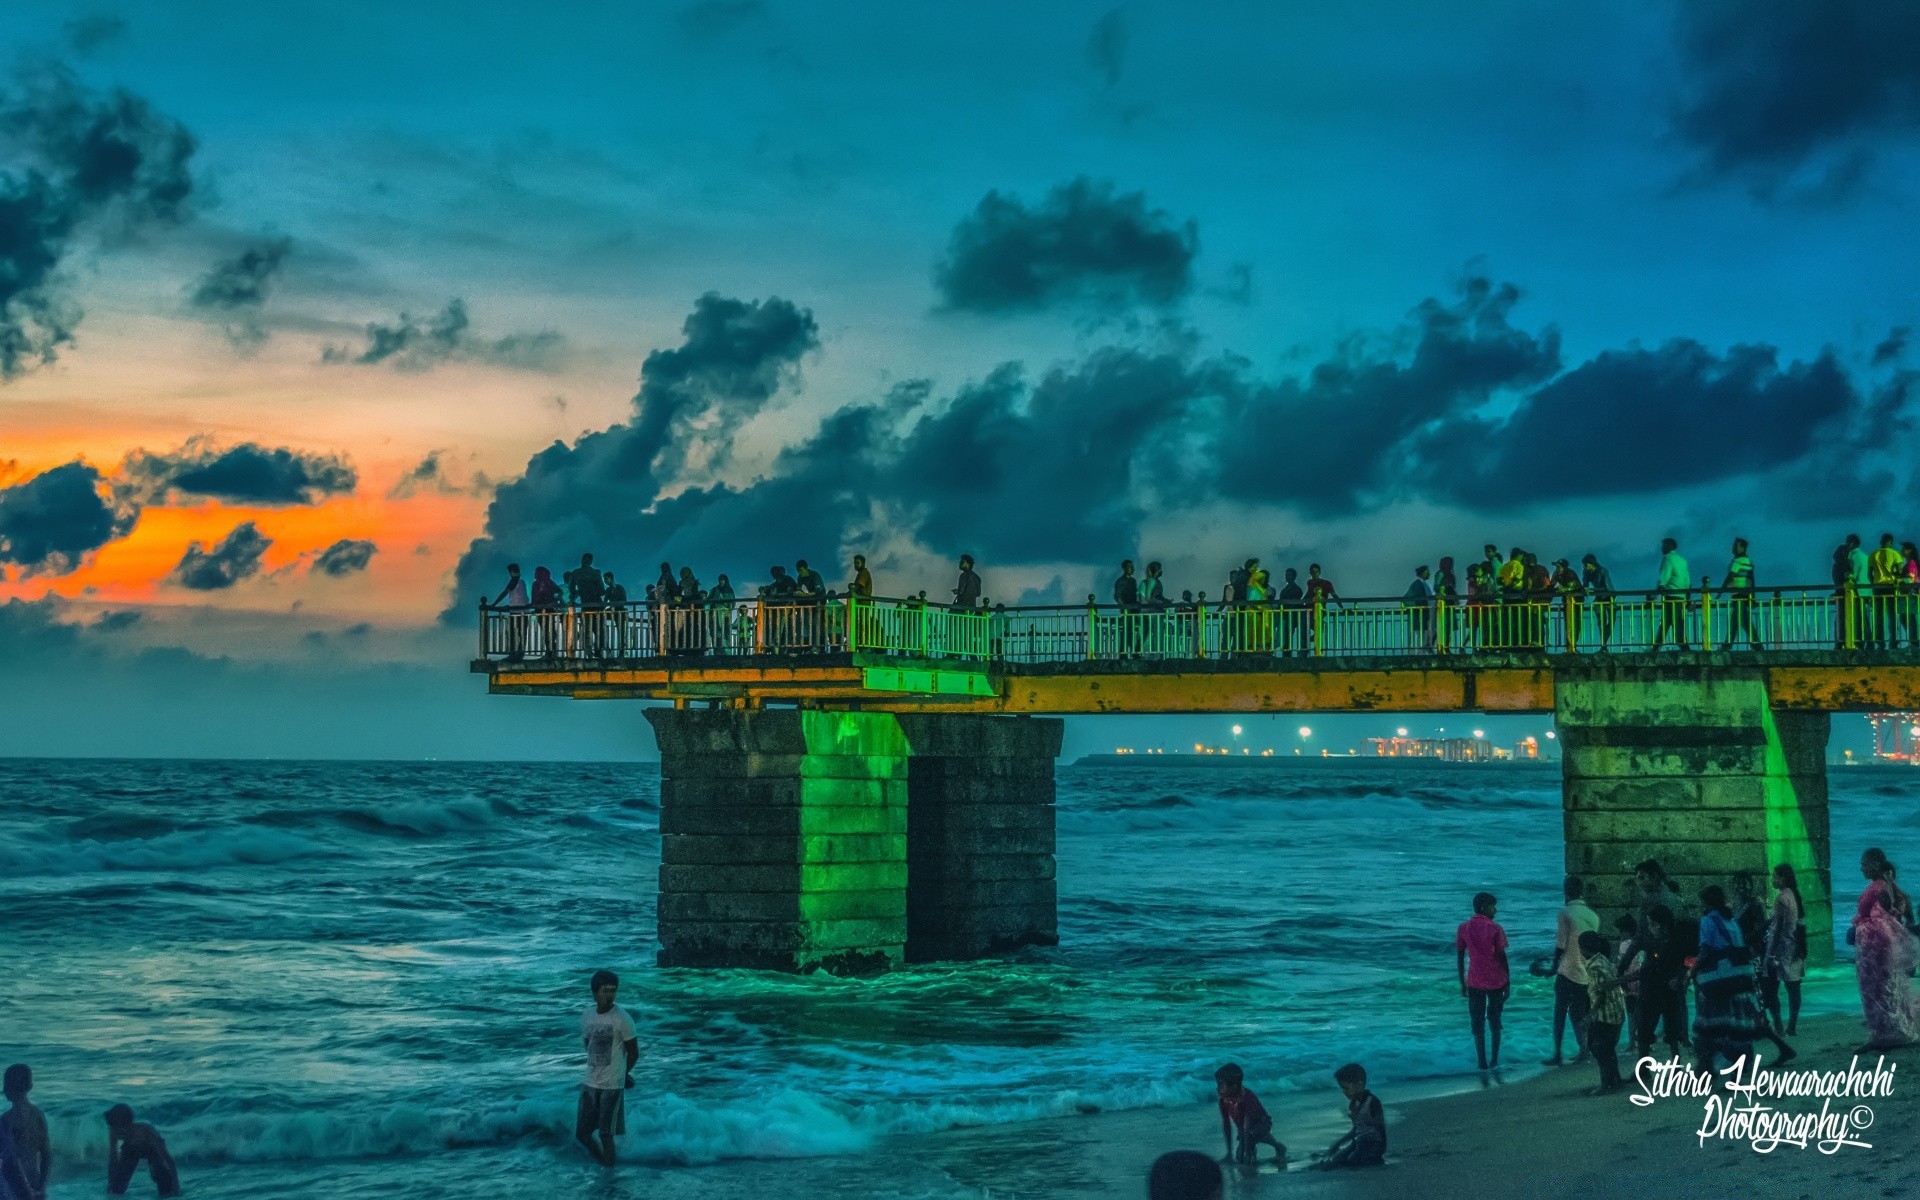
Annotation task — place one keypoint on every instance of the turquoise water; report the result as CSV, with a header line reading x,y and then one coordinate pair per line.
x,y
343,980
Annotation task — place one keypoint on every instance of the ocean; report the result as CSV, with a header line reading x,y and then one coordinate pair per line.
x,y
340,980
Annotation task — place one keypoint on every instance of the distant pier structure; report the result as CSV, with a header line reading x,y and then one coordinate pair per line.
x,y
851,783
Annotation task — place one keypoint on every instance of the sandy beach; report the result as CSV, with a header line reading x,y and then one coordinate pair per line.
x,y
1538,1136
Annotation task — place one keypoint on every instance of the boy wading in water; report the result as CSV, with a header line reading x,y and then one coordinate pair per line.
x,y
23,1137
612,1051
128,1142
1241,1110
1481,957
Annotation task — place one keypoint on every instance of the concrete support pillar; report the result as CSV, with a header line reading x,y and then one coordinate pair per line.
x,y
783,839
1691,766
980,834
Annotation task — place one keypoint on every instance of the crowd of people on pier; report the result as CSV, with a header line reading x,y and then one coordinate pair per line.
x,y
1501,603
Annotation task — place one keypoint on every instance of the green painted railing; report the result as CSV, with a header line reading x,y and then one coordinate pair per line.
x,y
1769,619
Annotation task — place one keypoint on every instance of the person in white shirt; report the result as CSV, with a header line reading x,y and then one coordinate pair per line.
x,y
1675,581
612,1051
1570,997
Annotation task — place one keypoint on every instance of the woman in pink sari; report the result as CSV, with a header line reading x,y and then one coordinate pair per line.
x,y
1884,957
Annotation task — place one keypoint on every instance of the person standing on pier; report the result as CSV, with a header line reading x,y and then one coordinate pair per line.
x,y
1598,582
862,585
1446,592
1570,981
1126,597
1293,614
966,593
515,597
1675,582
1739,587
1885,569
1418,602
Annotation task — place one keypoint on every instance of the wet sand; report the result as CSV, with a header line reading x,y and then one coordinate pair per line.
x,y
1537,1136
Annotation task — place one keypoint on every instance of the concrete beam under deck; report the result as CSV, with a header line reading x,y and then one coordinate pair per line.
x,y
1807,681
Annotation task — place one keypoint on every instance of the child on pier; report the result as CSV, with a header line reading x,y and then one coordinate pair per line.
x,y
1365,1145
1241,1110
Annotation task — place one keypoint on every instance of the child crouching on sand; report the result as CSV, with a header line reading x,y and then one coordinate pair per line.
x,y
1241,1110
1365,1145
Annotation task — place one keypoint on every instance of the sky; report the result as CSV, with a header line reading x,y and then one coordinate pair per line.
x,y
313,316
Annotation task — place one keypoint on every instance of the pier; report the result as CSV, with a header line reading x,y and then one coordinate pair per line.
x,y
852,783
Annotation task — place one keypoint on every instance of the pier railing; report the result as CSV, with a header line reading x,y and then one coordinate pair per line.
x,y
1808,618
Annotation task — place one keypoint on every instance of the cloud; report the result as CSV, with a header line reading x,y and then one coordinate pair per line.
x,y
1805,87
733,356
1107,46
235,290
345,557
245,474
90,34
422,343
215,568
1084,244
1893,346
53,520
76,156
430,475
1357,407
1460,404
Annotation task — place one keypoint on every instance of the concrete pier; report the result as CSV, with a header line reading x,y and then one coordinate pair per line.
x,y
1692,766
980,834
800,840
783,839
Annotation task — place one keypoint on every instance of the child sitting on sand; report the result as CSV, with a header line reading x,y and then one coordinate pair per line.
x,y
129,1141
1241,1110
1365,1145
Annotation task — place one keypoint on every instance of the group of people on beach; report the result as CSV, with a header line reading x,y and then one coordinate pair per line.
x,y
1737,957
26,1149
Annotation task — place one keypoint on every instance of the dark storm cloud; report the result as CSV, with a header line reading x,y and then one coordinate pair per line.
x,y
1084,244
733,356
1641,421
1892,346
1107,46
92,33
421,343
1794,83
245,474
345,557
235,290
1352,412
220,566
76,156
52,521
1461,404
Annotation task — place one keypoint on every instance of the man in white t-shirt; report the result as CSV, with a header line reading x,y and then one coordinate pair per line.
x,y
1570,998
612,1050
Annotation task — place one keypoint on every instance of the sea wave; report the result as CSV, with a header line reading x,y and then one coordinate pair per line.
x,y
184,851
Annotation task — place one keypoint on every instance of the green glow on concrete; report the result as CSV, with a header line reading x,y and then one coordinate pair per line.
x,y
923,682
863,842
1789,842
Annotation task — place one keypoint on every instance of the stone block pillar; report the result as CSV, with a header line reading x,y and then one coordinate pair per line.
x,y
980,834
783,839
1691,766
